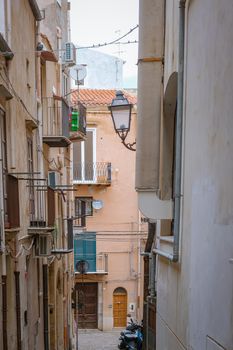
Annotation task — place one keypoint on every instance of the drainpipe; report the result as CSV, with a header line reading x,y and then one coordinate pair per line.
x,y
147,324
4,312
45,306
179,135
4,277
152,282
17,302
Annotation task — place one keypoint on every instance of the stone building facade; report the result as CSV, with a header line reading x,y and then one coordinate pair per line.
x,y
109,234
36,253
183,172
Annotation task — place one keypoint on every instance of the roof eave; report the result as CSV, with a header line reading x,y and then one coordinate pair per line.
x,y
35,9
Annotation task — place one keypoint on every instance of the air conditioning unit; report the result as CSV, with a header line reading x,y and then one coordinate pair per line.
x,y
43,246
53,179
70,54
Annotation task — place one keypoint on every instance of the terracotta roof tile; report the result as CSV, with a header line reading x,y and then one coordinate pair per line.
x,y
98,97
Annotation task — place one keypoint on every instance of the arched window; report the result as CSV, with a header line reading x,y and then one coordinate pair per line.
x,y
120,290
168,137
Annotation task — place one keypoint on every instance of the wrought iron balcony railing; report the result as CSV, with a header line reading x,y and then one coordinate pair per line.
x,y
98,173
41,207
79,132
55,122
101,263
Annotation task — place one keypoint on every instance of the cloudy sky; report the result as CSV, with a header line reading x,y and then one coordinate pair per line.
x,y
97,22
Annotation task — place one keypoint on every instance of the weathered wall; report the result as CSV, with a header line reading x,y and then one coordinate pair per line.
x,y
20,76
195,309
207,171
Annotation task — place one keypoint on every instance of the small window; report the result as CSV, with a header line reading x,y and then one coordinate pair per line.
x,y
83,208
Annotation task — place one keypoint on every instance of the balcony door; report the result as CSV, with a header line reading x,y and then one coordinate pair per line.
x,y
85,158
85,249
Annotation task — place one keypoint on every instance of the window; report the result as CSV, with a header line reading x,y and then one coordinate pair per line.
x,y
83,208
85,158
85,249
10,183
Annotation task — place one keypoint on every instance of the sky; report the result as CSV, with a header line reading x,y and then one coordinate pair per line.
x,y
96,22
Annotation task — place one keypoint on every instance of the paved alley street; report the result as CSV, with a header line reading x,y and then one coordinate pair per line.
x,y
95,339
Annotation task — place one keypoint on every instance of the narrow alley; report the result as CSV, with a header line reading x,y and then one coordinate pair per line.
x,y
116,172
92,339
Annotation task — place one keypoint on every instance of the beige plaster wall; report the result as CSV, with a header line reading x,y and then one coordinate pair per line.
x,y
23,107
117,223
194,302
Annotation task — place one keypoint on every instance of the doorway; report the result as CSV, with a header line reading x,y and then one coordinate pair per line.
x,y
119,307
87,305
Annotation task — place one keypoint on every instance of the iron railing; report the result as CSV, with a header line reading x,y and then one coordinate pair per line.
x,y
81,123
55,117
102,263
82,118
42,208
92,173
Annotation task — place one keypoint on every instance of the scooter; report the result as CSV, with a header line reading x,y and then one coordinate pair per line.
x,y
131,338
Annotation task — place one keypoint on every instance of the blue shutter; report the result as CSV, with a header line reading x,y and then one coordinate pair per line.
x,y
85,249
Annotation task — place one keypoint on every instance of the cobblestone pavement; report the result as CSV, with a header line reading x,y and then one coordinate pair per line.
x,y
89,339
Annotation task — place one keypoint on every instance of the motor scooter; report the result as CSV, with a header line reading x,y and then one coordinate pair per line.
x,y
131,338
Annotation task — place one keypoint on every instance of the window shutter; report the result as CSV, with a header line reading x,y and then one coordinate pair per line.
x,y
13,201
51,207
70,239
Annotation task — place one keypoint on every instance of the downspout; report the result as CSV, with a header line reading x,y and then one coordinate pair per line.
x,y
18,310
152,280
178,144
4,312
45,306
3,273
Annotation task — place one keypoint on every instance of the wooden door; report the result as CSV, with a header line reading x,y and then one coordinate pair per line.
x,y
87,305
119,307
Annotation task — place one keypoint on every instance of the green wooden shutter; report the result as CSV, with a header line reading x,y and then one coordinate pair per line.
x,y
85,249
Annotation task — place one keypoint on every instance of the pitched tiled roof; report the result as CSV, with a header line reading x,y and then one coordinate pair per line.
x,y
98,97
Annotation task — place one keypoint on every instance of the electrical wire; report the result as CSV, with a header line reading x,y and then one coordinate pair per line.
x,y
94,46
22,248
116,41
114,232
19,99
39,149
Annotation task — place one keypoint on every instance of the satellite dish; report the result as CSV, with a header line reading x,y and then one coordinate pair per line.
x,y
97,204
78,73
82,266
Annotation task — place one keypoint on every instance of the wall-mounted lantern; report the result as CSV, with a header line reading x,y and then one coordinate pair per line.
x,y
121,116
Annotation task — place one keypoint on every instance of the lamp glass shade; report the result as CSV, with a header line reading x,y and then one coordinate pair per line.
x,y
121,116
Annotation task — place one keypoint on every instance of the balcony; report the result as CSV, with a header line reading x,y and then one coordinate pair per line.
x,y
85,246
69,242
56,122
78,131
89,173
101,267
41,210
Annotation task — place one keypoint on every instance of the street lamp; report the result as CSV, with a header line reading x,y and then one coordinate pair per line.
x,y
121,116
